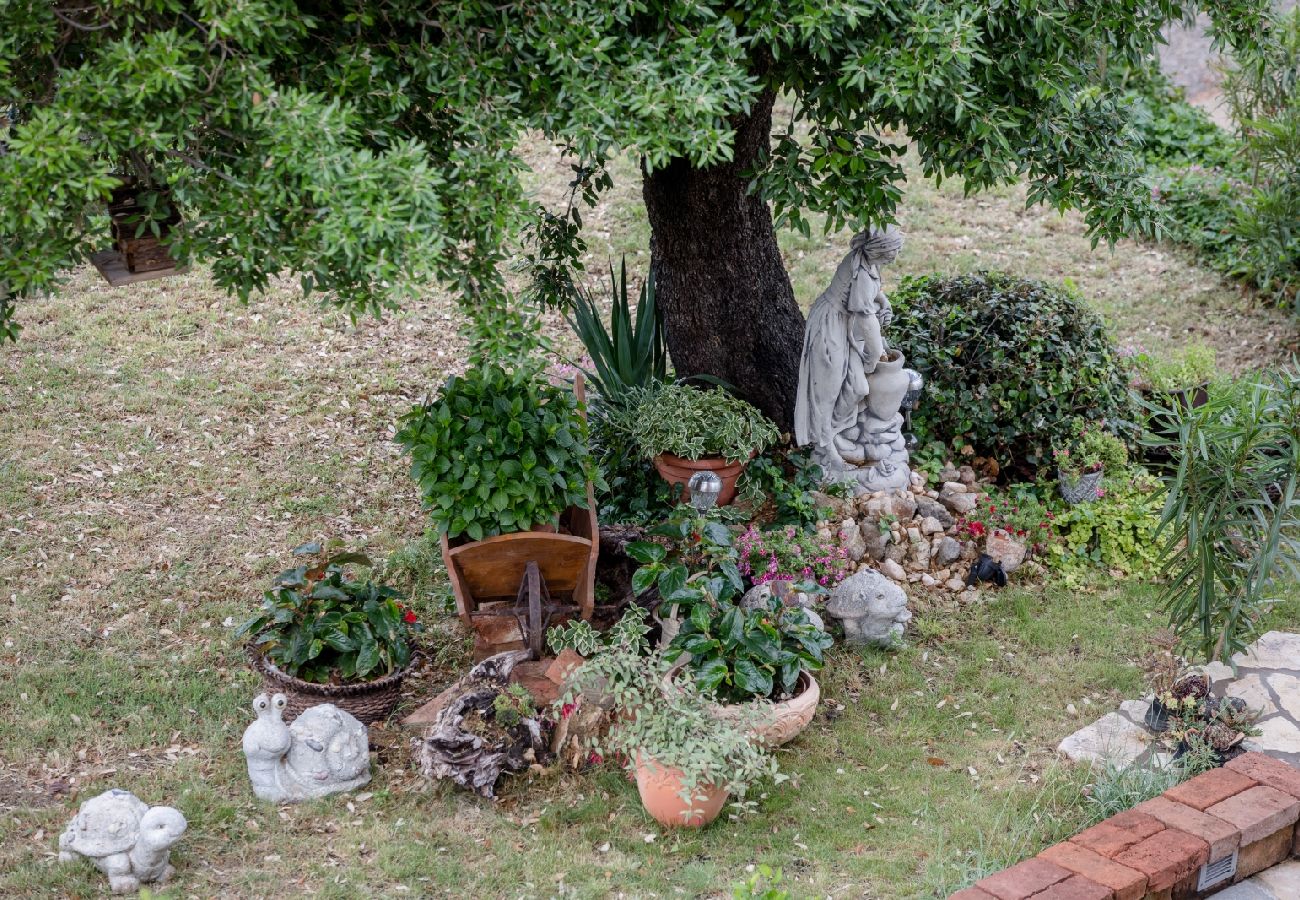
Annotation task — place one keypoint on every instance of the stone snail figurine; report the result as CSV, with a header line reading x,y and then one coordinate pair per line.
x,y
124,837
325,751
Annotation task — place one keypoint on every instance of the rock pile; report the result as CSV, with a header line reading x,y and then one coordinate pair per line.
x,y
913,535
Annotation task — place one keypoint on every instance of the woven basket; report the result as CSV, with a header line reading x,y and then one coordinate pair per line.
x,y
1080,490
369,702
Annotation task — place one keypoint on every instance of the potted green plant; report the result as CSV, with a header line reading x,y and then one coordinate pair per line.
x,y
754,653
502,462
684,429
1082,462
325,637
686,760
1183,375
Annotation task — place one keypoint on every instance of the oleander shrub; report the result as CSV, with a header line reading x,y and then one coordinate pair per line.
x,y
1009,363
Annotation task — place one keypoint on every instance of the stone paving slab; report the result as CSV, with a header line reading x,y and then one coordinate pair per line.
x,y
1267,678
1282,882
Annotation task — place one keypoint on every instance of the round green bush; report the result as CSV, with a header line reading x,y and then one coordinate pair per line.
x,y
1008,363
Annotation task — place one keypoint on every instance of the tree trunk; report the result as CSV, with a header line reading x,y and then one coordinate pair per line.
x,y
719,279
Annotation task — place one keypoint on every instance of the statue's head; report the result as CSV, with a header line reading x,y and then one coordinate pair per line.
x,y
880,246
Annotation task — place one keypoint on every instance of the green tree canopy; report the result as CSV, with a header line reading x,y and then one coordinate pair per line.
x,y
369,146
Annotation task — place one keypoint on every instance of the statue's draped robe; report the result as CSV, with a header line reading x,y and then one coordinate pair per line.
x,y
841,345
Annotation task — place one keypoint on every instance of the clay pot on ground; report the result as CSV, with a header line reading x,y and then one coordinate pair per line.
x,y
660,788
889,384
780,723
677,470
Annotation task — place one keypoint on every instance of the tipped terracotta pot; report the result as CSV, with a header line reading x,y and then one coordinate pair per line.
x,y
780,723
660,788
676,470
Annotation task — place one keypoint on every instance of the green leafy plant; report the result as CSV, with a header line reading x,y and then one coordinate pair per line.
x,y
578,635
1009,363
1089,448
497,452
694,424
512,706
764,884
629,354
1231,520
321,626
746,654
693,561
629,489
1119,788
674,727
1182,370
780,487
1116,532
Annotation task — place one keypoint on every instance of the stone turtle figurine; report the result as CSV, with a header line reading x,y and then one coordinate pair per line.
x,y
324,751
125,838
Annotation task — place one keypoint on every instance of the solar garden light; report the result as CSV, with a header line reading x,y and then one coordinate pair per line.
x,y
705,486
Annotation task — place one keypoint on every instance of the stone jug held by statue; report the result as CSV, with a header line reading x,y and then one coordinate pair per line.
x,y
889,384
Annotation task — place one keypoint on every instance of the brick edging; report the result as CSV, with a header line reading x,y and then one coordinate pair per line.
x,y
1157,849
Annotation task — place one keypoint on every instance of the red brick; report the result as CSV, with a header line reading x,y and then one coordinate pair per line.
x,y
1258,812
1222,836
1166,858
971,893
1118,833
1210,788
1268,771
1076,887
1023,880
1126,883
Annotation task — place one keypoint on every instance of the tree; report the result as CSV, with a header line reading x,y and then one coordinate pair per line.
x,y
369,146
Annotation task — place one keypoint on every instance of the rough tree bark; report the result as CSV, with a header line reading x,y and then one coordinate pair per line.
x,y
727,301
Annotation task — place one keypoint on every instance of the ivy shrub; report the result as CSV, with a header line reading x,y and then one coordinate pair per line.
x,y
1009,363
498,451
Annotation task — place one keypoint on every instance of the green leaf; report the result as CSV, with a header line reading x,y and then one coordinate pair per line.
x,y
646,552
753,680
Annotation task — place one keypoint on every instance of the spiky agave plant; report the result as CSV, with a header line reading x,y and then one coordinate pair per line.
x,y
631,352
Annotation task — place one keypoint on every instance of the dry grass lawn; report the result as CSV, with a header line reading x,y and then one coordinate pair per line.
x,y
163,447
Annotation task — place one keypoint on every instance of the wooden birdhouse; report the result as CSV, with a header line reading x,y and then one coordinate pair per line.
x,y
141,218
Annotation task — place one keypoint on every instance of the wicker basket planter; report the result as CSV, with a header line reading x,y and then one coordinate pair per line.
x,y
369,701
1082,489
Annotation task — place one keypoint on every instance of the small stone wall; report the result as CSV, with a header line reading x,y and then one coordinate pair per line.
x,y
1155,851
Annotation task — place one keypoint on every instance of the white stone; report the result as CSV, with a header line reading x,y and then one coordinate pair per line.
x,y
851,539
928,580
125,838
1005,549
1217,671
324,751
893,570
1287,688
959,504
1274,650
1277,735
955,584
953,487
1136,710
931,525
1251,689
1112,738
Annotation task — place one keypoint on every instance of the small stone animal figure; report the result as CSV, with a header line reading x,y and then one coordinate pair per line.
x,y
324,751
124,837
986,569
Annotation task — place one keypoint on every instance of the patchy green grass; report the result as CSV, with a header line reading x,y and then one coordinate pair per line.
x,y
164,447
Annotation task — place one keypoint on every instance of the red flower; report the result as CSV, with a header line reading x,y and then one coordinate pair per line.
x,y
567,710
595,758
976,528
410,618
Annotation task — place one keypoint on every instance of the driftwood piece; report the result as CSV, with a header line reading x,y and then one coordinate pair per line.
x,y
448,749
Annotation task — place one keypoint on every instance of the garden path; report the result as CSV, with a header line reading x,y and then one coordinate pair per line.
x,y
1282,882
1267,678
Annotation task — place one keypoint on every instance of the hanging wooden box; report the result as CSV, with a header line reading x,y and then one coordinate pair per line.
x,y
146,252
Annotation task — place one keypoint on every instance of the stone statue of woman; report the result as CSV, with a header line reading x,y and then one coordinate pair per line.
x,y
842,346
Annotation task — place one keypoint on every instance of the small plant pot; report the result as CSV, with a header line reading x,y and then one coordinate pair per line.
x,y
1157,717
676,470
660,788
368,701
1082,489
780,723
1192,397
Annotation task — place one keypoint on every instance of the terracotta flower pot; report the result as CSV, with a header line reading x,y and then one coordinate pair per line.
x,y
780,723
676,470
660,788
